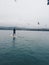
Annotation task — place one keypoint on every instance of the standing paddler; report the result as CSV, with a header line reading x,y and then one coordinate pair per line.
x,y
14,32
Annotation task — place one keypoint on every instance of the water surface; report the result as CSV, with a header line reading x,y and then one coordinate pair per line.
x,y
28,48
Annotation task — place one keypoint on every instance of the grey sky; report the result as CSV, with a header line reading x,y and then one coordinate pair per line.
x,y
24,13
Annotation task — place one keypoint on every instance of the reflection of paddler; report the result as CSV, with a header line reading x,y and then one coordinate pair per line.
x,y
14,32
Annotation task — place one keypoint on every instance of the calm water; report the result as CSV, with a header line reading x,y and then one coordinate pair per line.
x,y
28,48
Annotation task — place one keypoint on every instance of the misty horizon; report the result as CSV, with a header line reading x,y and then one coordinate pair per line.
x,y
26,13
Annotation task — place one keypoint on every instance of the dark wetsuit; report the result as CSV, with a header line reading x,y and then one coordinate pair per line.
x,y
14,31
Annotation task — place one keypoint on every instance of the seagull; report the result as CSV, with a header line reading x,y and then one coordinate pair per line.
x,y
15,0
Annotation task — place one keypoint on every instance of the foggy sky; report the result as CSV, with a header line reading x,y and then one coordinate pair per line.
x,y
24,13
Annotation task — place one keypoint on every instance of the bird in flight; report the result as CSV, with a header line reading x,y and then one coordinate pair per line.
x,y
15,0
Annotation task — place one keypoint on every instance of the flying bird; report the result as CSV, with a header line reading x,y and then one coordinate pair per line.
x,y
38,23
15,0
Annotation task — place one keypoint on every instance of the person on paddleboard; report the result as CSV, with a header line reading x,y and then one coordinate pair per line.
x,y
14,32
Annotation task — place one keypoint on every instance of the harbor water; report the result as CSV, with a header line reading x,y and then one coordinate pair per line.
x,y
27,48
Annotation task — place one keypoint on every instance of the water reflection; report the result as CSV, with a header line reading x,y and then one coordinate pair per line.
x,y
13,38
14,41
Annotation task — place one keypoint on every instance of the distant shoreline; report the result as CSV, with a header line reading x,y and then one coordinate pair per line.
x,y
24,29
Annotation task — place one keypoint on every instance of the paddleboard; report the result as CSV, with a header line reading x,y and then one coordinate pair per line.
x,y
13,36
